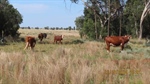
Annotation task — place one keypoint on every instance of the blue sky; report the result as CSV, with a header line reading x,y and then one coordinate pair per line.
x,y
52,13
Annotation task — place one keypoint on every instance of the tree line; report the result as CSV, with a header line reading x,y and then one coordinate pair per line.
x,y
50,28
112,17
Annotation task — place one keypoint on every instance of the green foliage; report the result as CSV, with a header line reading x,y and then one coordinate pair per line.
x,y
79,25
77,41
86,24
10,18
88,28
126,20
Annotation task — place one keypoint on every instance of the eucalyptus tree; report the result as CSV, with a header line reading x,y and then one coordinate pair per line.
x,y
106,11
144,14
79,25
133,10
121,16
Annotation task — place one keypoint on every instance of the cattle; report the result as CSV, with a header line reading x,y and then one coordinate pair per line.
x,y
116,41
58,38
41,36
30,42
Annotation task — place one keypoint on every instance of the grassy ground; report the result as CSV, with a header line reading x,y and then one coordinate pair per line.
x,y
76,61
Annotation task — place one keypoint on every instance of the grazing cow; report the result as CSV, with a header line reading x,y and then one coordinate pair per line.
x,y
41,36
116,41
30,42
58,38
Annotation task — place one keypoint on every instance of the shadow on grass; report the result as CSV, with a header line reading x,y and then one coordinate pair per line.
x,y
4,44
74,42
136,42
128,47
39,51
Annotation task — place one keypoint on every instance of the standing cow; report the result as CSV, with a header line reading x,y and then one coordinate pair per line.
x,y
30,42
58,38
116,41
41,36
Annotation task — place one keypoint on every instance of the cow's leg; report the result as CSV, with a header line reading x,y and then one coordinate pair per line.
x,y
122,46
27,44
108,46
60,42
31,46
41,40
56,42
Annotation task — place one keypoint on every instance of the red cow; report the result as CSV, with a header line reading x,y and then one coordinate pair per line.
x,y
30,42
42,35
116,41
58,38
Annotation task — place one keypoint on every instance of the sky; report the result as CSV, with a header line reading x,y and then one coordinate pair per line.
x,y
51,13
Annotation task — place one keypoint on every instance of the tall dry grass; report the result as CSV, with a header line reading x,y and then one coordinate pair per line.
x,y
71,66
86,63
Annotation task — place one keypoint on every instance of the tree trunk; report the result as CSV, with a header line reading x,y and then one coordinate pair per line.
x,y
145,11
95,25
120,25
136,29
108,18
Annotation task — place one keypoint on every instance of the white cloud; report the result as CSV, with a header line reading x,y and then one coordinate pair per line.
x,y
31,8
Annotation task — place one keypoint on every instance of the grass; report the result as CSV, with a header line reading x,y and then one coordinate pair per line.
x,y
74,62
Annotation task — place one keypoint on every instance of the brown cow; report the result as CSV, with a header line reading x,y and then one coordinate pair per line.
x,y
41,36
30,42
58,38
116,41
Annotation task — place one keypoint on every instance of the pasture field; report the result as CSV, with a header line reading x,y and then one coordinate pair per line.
x,y
76,61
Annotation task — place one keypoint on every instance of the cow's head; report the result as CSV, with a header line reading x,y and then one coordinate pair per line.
x,y
127,36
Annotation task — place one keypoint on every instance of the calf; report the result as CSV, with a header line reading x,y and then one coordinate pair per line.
x,y
116,41
41,36
58,38
30,42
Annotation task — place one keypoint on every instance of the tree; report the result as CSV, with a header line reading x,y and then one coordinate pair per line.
x,y
10,18
79,25
118,17
105,11
47,27
145,11
134,10
69,28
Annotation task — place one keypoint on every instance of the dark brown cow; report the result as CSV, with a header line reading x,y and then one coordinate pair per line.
x,y
58,38
116,41
42,35
30,42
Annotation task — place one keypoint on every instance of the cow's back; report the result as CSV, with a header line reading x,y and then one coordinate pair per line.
x,y
115,40
30,39
44,35
58,38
